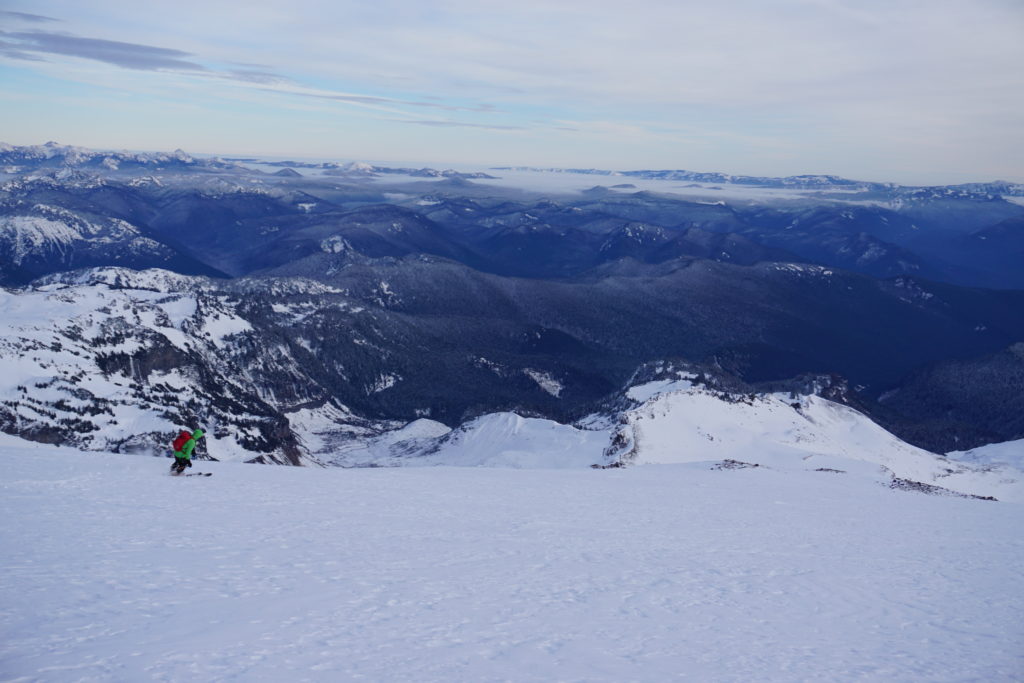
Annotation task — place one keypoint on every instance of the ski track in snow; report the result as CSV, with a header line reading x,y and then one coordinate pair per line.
x,y
115,572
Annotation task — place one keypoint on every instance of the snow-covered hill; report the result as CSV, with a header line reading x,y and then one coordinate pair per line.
x,y
679,422
114,571
494,440
676,421
1006,453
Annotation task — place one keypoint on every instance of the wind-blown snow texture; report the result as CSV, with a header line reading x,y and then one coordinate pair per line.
x,y
113,571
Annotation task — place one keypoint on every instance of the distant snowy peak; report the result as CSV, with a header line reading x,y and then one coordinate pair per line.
x,y
64,177
799,181
145,181
360,170
435,173
359,167
975,191
75,156
51,154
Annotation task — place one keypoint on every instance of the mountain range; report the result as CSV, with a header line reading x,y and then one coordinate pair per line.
x,y
301,313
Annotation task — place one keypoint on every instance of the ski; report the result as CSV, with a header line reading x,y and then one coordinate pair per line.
x,y
199,474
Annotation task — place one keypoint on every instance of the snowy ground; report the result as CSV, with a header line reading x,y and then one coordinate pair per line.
x,y
1009,453
113,571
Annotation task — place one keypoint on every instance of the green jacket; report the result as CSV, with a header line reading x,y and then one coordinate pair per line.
x,y
186,450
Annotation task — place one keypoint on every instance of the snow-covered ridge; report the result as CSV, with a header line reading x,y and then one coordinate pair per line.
x,y
43,232
280,286
990,190
494,440
63,178
687,423
152,279
73,156
1009,453
118,359
160,280
674,421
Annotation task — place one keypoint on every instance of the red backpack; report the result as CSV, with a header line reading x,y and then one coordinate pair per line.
x,y
179,442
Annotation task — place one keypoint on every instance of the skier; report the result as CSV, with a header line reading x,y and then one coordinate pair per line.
x,y
183,447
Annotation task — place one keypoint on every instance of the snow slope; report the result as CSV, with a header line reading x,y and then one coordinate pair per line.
x,y
115,572
493,440
1009,453
679,422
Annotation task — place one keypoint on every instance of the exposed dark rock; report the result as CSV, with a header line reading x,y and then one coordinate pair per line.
x,y
729,464
930,489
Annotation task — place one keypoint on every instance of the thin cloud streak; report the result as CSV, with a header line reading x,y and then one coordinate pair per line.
x,y
14,51
256,76
372,99
117,53
460,124
25,16
28,45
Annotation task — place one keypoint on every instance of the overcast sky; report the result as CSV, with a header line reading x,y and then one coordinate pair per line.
x,y
912,91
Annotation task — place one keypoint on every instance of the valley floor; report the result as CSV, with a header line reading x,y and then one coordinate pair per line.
x,y
113,571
